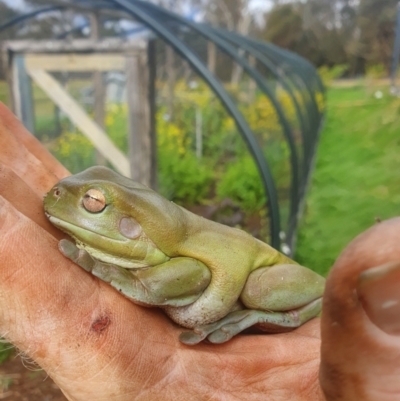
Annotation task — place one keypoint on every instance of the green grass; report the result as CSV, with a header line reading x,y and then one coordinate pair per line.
x,y
3,92
357,174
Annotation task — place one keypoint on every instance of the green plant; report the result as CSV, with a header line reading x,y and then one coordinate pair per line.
x,y
329,74
116,123
3,92
376,71
183,178
74,151
6,350
241,183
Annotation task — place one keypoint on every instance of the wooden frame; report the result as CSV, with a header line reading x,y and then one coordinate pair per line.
x,y
34,60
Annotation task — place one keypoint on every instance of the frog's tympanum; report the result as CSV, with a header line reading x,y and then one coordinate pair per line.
x,y
213,279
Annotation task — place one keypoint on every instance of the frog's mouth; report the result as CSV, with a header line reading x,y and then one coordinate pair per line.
x,y
72,229
130,254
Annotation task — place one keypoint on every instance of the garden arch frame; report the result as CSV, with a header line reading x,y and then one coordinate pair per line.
x,y
291,70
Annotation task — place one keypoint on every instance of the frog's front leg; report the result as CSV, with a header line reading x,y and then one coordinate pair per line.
x,y
177,282
277,299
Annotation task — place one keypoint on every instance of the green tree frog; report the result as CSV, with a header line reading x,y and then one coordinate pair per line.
x,y
210,278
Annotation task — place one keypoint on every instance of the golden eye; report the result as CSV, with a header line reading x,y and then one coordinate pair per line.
x,y
94,201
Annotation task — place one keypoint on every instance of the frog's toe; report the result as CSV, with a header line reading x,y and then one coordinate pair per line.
x,y
78,256
233,324
68,249
217,332
221,336
192,337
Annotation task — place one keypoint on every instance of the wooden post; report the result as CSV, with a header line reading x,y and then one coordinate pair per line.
x,y
141,138
151,101
171,80
22,96
99,95
7,66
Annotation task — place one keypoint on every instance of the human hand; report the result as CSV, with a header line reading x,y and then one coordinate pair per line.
x,y
97,345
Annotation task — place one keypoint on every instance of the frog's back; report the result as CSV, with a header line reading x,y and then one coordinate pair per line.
x,y
207,239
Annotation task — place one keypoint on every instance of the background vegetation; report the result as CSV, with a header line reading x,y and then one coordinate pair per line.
x,y
356,33
189,174
354,183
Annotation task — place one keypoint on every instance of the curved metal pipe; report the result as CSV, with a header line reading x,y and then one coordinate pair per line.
x,y
32,14
248,46
297,73
227,101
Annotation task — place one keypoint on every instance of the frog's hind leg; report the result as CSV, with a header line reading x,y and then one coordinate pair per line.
x,y
236,322
278,298
281,288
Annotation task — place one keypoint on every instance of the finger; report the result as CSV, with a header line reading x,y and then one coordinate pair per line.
x,y
25,200
10,123
360,356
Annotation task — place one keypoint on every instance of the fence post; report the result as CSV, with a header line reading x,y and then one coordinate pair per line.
x,y
141,140
21,89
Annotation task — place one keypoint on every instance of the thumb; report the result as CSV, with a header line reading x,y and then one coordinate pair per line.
x,y
360,351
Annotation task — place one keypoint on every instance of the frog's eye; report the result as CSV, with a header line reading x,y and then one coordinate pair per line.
x,y
94,201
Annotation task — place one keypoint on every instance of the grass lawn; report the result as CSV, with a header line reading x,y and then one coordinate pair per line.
x,y
357,175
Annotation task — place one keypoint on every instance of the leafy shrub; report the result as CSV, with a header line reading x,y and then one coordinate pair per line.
x,y
74,151
330,74
182,177
241,183
376,71
116,123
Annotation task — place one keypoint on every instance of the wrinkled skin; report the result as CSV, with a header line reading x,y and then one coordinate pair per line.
x,y
87,336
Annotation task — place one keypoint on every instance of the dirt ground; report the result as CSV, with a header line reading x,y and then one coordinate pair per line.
x,y
26,383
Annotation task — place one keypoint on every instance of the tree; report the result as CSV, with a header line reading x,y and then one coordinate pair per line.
x,y
376,22
330,32
285,27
